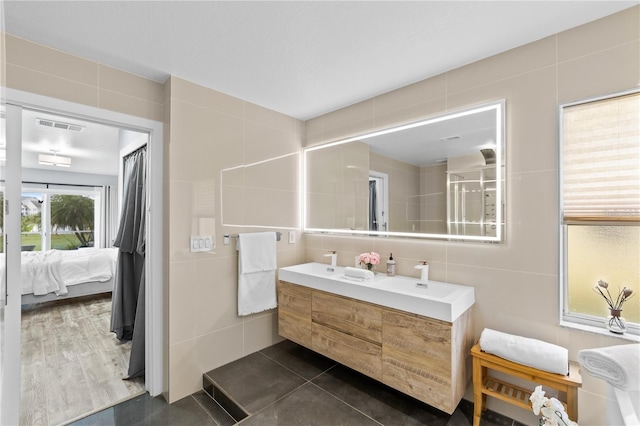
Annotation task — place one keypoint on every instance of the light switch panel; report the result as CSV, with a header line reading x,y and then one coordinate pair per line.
x,y
201,243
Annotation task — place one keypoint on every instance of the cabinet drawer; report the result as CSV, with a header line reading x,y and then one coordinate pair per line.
x,y
418,382
416,357
352,317
294,313
351,351
423,340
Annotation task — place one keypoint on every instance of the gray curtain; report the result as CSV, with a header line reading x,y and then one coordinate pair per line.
x,y
127,307
373,206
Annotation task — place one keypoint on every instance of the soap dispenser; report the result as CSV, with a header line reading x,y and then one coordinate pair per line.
x,y
391,266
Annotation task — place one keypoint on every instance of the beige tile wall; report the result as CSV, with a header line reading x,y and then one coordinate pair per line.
x,y
233,167
516,282
433,199
3,62
35,68
404,200
338,187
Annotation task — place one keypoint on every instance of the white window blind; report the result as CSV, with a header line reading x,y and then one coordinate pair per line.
x,y
601,160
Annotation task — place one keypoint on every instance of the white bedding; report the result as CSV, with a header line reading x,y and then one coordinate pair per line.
x,y
54,270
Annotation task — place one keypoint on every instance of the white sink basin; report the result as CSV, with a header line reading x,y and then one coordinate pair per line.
x,y
314,269
433,299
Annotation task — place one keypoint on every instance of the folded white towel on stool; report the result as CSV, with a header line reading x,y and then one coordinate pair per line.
x,y
523,350
360,274
617,365
256,272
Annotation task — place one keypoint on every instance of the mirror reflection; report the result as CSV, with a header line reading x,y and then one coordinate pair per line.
x,y
437,178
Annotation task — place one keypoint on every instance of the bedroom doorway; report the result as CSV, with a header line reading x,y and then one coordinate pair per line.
x,y
42,230
71,362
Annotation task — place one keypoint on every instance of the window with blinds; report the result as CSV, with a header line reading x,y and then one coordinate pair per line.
x,y
600,189
601,160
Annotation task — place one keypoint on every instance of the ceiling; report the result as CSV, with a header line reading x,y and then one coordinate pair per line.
x,y
441,138
301,58
94,148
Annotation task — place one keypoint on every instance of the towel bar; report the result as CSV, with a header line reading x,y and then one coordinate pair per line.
x,y
227,236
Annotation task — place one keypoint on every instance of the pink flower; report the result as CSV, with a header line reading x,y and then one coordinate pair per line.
x,y
369,258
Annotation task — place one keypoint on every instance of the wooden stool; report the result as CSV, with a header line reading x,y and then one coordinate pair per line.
x,y
484,385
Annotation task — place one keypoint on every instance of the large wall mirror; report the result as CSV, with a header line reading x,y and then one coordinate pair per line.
x,y
442,177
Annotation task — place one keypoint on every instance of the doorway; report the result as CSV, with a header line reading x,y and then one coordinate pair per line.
x,y
378,201
16,102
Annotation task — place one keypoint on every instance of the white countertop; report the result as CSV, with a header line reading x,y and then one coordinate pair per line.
x,y
438,300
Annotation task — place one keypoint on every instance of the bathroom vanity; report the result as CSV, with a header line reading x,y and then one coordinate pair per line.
x,y
411,336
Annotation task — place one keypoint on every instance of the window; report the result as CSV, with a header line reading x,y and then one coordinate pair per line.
x,y
600,202
62,220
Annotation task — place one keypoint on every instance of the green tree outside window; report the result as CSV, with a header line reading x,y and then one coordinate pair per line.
x,y
75,212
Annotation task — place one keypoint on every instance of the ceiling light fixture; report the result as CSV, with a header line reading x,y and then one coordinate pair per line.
x,y
54,160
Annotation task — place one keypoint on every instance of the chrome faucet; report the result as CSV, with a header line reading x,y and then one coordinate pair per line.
x,y
334,260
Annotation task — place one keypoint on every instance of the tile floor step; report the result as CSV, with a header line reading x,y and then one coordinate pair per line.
x,y
234,409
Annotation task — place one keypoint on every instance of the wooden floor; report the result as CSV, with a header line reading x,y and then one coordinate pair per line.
x,y
71,363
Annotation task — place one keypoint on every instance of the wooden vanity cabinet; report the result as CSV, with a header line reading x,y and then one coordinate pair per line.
x,y
294,313
347,331
425,358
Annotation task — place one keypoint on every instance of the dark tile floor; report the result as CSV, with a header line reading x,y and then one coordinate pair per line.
x,y
287,384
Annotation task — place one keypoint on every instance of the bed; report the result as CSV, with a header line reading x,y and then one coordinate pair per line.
x,y
62,274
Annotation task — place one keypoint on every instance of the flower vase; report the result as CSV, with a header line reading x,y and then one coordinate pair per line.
x,y
370,267
615,323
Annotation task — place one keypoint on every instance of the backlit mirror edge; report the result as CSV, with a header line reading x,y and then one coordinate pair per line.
x,y
500,238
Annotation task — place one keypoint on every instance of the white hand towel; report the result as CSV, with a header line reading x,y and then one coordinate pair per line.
x,y
534,353
256,272
617,365
361,274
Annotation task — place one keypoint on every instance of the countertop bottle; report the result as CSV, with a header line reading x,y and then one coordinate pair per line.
x,y
391,266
